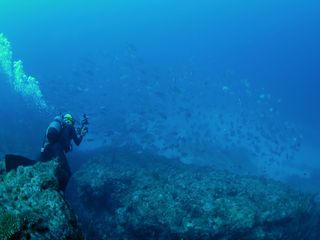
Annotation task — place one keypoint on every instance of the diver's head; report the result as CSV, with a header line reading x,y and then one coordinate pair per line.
x,y
68,119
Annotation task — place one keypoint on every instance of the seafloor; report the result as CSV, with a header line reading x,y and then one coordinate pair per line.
x,y
118,194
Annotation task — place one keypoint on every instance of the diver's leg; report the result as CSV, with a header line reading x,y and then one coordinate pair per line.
x,y
47,153
64,172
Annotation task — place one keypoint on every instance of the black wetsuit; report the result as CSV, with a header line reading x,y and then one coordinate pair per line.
x,y
58,150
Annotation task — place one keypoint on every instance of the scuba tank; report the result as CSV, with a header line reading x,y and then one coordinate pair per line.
x,y
53,130
52,133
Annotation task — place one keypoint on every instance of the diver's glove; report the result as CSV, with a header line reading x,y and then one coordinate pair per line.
x,y
84,131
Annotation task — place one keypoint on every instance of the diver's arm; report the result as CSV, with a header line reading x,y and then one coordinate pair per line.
x,y
77,139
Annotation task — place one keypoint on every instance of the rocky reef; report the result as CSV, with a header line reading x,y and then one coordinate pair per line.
x,y
31,206
124,195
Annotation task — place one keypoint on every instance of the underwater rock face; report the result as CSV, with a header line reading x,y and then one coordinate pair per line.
x,y
31,207
130,196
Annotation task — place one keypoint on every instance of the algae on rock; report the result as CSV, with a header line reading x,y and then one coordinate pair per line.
x,y
33,208
142,196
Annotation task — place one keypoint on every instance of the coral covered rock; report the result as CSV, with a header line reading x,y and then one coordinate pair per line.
x,y
31,206
142,196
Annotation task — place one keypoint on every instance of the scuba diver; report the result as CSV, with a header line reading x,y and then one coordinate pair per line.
x,y
58,141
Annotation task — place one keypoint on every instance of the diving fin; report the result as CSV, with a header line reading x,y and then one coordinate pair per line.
x,y
14,161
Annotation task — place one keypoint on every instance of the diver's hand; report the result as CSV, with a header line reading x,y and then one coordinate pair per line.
x,y
84,131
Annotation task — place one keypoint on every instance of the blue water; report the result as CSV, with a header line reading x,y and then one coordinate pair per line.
x,y
198,80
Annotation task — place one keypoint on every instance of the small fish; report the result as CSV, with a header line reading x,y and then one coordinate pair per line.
x,y
225,88
131,47
163,115
89,73
89,139
159,94
125,76
188,114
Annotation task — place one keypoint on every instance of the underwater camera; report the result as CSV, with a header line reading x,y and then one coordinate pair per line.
x,y
84,123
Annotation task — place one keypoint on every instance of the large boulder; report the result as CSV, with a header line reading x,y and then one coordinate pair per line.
x,y
31,207
123,195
